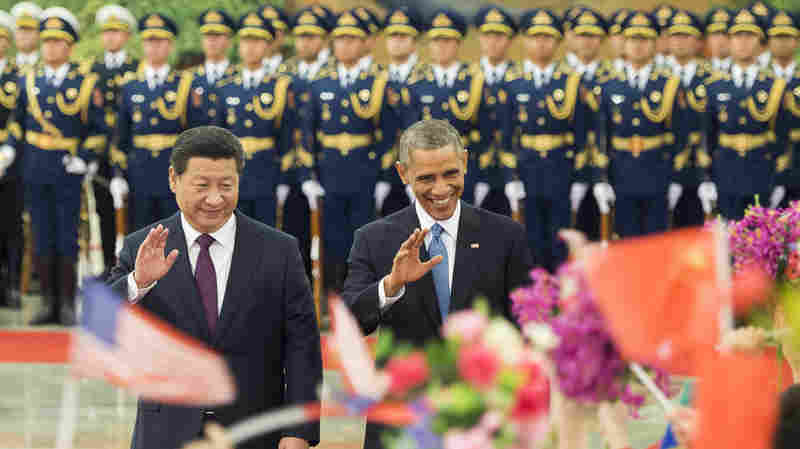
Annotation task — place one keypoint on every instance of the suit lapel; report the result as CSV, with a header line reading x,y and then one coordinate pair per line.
x,y
180,278
425,287
466,264
245,257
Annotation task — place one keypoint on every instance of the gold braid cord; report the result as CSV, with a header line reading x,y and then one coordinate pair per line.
x,y
791,104
570,94
275,112
775,96
665,111
8,101
36,110
475,90
179,111
376,100
697,105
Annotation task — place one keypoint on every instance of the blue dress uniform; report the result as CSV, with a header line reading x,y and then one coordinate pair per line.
x,y
642,123
788,166
343,127
60,118
458,101
148,125
494,19
689,167
747,129
593,75
211,21
543,131
110,69
259,113
11,191
403,21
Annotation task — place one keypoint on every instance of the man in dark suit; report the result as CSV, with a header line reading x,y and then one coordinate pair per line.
x,y
412,268
231,282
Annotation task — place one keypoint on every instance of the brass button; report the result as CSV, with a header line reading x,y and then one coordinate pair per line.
x,y
154,121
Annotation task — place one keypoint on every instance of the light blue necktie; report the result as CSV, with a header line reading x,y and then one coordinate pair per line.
x,y
441,277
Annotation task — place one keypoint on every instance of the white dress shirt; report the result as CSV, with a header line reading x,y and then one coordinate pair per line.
x,y
221,252
309,70
156,77
114,60
786,73
493,73
638,78
214,72
449,237
572,60
271,64
252,78
348,76
365,62
56,76
399,72
763,59
27,59
722,65
744,77
587,71
619,64
685,72
541,76
446,76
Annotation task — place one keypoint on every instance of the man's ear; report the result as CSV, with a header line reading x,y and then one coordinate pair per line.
x,y
173,179
402,170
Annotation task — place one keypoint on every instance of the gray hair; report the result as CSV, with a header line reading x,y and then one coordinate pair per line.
x,y
428,135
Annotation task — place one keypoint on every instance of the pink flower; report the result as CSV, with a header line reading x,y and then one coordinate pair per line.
x,y
406,372
467,326
476,438
533,398
478,365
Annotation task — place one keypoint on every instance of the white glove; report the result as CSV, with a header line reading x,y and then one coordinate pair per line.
x,y
74,165
312,189
604,195
481,190
410,194
515,191
282,192
7,156
707,192
119,190
120,241
382,189
777,196
93,167
674,195
576,194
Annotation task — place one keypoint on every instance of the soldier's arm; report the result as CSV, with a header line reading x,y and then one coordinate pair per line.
x,y
581,122
389,127
601,158
16,121
506,153
680,127
286,132
95,145
305,141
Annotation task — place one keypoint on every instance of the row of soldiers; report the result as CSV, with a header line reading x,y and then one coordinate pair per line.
x,y
656,133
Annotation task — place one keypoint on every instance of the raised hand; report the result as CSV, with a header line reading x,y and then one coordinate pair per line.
x,y
151,262
407,266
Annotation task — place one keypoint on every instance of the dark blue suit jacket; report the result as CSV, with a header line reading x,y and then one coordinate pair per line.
x,y
267,331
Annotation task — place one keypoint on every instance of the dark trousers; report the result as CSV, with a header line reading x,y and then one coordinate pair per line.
x,y
150,209
792,195
54,213
587,219
342,214
11,241
640,215
108,229
396,200
732,206
297,222
689,210
497,202
262,209
544,217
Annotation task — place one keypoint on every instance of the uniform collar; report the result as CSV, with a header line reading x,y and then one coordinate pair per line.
x,y
572,60
271,64
217,68
225,236
763,59
721,64
787,73
348,76
309,70
446,75
115,60
745,75
57,75
587,70
156,77
365,62
400,72
642,75
24,59
494,73
252,78
450,225
687,71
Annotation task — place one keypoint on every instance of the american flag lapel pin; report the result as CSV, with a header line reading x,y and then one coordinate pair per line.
x,y
474,245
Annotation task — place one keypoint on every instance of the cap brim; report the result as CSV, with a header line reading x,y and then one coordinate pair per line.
x,y
27,22
216,28
496,28
784,31
542,29
401,29
746,28
349,31
717,28
258,33
445,32
683,29
640,32
593,30
157,34
115,26
57,34
309,29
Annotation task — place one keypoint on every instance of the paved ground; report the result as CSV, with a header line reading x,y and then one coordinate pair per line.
x,y
30,397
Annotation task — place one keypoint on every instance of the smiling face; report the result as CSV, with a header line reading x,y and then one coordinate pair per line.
x,y
437,178
207,192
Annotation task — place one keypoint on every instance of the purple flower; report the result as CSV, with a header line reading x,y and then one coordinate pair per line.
x,y
765,237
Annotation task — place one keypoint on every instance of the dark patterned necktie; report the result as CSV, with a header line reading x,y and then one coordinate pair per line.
x,y
206,278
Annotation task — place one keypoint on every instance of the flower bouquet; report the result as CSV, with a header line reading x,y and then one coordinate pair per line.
x,y
481,386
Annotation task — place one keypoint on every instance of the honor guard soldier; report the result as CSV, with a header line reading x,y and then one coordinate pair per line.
x,y
616,40
763,11
640,120
11,191
747,125
543,126
345,126
217,28
26,33
784,34
717,39
572,12
685,31
61,118
403,27
116,25
662,13
154,107
258,109
452,90
497,30
374,27
273,62
589,29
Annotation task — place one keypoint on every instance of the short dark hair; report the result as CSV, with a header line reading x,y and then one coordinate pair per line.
x,y
211,142
787,432
428,135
